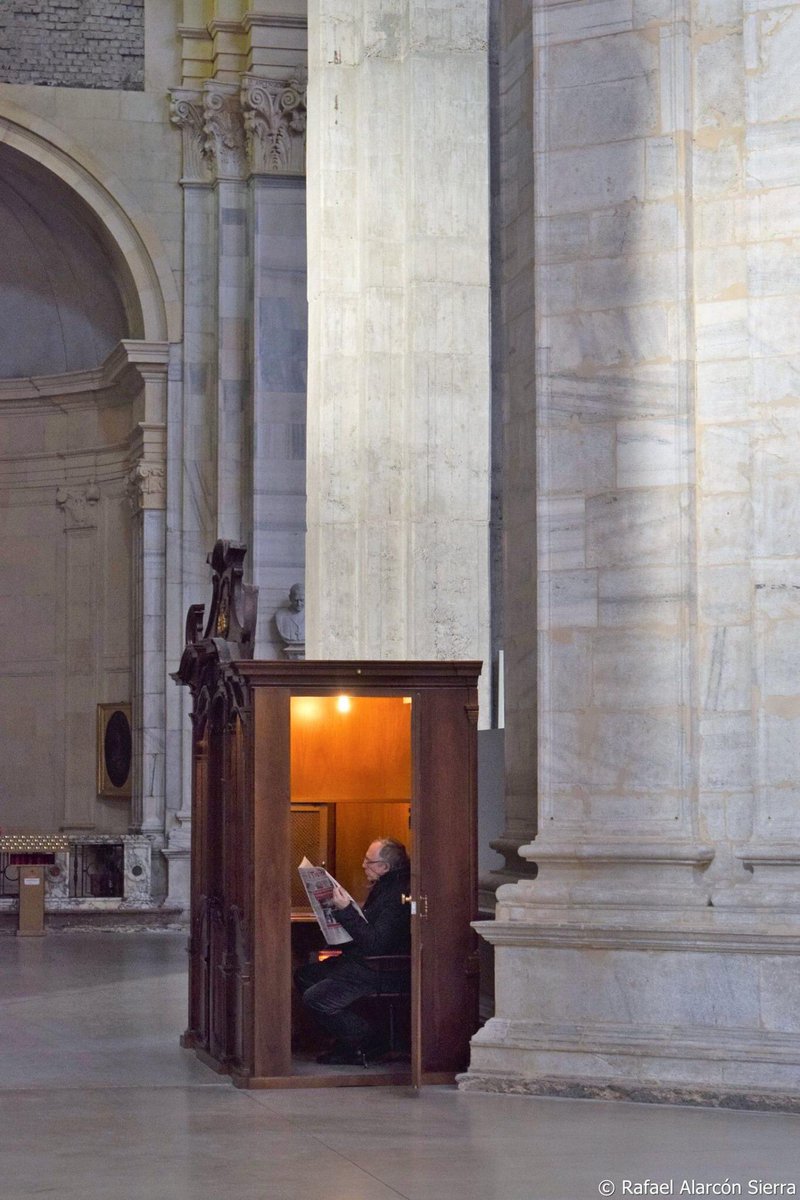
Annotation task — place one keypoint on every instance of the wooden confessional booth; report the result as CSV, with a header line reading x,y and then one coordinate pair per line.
x,y
321,758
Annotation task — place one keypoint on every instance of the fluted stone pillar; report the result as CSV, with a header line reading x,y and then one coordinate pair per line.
x,y
399,386
237,399
147,495
80,509
275,123
657,951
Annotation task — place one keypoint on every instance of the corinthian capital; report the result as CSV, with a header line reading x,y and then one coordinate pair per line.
x,y
147,486
186,111
275,123
223,129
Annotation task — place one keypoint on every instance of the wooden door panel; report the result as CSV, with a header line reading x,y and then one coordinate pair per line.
x,y
271,884
444,883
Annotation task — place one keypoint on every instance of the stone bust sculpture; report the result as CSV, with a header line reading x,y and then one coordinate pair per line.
x,y
291,621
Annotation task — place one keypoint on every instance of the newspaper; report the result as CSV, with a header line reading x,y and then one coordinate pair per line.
x,y
319,886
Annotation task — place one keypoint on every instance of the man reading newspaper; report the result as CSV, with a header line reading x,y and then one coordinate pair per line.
x,y
382,927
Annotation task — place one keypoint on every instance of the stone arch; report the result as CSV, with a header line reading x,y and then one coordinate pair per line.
x,y
141,259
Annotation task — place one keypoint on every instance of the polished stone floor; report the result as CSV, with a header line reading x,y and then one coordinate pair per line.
x,y
97,1099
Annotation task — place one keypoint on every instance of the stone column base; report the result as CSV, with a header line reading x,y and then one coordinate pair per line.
x,y
699,1097
178,878
644,1013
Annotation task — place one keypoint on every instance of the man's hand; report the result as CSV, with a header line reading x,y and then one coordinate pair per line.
x,y
340,898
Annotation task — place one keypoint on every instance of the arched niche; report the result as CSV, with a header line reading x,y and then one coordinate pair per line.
x,y
66,297
142,270
82,470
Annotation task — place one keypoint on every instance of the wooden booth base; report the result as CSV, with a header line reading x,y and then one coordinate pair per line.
x,y
307,1075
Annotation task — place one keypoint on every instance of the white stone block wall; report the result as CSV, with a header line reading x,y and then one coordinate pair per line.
x,y
666,395
399,383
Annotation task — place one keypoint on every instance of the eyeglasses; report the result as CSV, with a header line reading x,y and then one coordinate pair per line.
x,y
372,862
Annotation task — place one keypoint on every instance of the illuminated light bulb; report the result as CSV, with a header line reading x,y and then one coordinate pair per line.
x,y
343,704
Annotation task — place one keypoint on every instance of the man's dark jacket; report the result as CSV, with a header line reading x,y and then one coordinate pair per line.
x,y
387,929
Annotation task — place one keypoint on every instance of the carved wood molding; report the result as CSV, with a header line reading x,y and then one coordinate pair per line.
x,y
209,665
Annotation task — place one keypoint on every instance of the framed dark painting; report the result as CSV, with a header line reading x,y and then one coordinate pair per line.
x,y
114,751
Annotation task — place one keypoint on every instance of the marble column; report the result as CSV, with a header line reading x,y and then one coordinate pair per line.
x,y
399,386
515,402
237,398
147,494
654,954
225,145
80,507
275,122
191,449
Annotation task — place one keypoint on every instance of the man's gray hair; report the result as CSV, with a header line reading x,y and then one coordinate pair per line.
x,y
394,853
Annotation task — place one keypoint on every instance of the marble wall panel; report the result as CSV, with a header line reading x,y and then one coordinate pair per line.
x,y
720,273
563,237
715,14
591,177
666,237
704,991
722,328
619,683
727,752
651,453
602,111
577,457
781,647
778,507
652,227
723,391
562,532
568,664
725,459
720,221
719,77
614,57
662,168
726,668
725,529
775,34
773,155
775,268
717,167
637,597
576,20
623,281
639,527
779,986
568,599
609,338
778,212
623,752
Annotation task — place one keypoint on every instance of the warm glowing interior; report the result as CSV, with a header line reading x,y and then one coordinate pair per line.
x,y
351,766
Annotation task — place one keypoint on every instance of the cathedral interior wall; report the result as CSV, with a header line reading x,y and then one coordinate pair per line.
x,y
664,712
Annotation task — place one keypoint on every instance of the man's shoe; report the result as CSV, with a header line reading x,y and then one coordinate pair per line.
x,y
336,1048
343,1056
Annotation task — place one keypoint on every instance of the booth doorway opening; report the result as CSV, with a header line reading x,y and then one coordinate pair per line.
x,y
350,786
